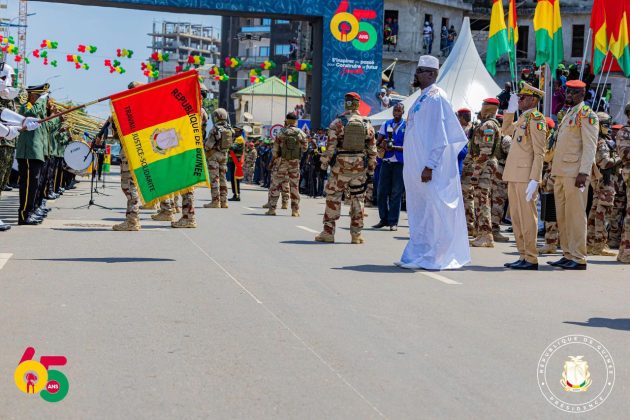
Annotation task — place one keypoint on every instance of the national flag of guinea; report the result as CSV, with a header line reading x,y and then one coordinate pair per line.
x,y
161,133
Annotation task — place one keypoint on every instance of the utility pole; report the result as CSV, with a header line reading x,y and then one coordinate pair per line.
x,y
21,67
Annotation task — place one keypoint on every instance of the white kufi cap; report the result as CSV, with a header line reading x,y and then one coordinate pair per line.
x,y
429,62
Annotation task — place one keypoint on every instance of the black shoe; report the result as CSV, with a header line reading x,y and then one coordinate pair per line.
x,y
524,265
509,265
4,227
234,199
379,225
46,209
52,197
572,265
7,188
510,229
40,213
393,228
61,191
14,186
29,221
558,263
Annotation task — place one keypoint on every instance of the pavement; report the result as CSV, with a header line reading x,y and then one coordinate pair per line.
x,y
247,317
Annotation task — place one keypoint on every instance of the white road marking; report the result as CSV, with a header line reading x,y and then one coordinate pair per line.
x,y
286,327
307,229
249,208
4,258
440,278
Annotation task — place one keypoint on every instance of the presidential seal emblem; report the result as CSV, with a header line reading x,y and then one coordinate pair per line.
x,y
164,140
576,373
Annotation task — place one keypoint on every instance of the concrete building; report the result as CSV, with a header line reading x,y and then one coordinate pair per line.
x,y
182,39
410,16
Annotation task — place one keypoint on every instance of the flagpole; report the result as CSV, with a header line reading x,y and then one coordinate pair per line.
x,y
588,39
547,105
603,70
74,108
603,87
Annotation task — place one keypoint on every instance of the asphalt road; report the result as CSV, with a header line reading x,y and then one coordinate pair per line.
x,y
247,317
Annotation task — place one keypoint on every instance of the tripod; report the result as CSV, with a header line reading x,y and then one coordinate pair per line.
x,y
93,187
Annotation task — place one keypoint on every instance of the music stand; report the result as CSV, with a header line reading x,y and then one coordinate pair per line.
x,y
93,189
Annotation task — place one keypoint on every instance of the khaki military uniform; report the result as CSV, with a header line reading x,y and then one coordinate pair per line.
x,y
349,171
552,238
525,164
288,168
623,150
575,154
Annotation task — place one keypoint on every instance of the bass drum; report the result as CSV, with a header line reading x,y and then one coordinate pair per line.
x,y
77,158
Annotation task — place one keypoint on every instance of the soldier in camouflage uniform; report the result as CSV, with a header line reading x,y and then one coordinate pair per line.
x,y
250,162
285,188
486,142
464,116
623,151
552,237
499,190
288,148
619,203
352,137
7,146
603,190
217,145
132,216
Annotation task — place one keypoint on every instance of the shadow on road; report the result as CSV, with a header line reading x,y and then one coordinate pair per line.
x,y
373,268
108,260
298,242
614,324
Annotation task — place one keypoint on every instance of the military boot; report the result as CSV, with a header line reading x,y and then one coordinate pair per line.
x,y
148,207
472,233
499,237
295,213
271,212
599,250
547,249
126,226
325,237
285,205
265,206
163,216
624,258
224,205
184,223
212,205
357,238
483,241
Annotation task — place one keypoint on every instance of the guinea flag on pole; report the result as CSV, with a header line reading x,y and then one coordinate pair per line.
x,y
512,36
160,130
497,37
548,28
617,14
600,35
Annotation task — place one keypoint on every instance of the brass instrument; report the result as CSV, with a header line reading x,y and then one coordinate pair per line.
x,y
77,123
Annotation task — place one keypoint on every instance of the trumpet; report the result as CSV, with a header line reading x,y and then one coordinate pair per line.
x,y
77,123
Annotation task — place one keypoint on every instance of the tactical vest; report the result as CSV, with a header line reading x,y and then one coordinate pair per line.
x,y
290,149
225,137
355,133
497,139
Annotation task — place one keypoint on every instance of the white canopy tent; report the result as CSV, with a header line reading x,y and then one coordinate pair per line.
x,y
463,76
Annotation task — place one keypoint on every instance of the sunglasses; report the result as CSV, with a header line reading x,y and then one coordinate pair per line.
x,y
574,91
420,70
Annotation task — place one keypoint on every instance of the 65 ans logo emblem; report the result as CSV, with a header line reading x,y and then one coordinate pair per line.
x,y
33,377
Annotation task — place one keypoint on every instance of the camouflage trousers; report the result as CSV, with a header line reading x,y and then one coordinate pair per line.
x,y
248,171
599,215
499,198
482,191
217,170
552,236
618,211
130,191
6,161
624,245
369,194
286,188
348,173
286,174
469,197
188,205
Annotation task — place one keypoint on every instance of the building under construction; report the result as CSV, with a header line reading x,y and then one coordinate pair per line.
x,y
183,39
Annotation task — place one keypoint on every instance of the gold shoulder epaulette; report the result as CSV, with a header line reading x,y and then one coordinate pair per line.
x,y
537,115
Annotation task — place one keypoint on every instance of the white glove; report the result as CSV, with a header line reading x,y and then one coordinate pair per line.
x,y
9,132
532,187
31,123
513,104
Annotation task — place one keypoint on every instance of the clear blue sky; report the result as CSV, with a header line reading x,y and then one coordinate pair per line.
x,y
107,29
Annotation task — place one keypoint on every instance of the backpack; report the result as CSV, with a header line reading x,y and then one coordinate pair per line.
x,y
291,148
355,133
226,136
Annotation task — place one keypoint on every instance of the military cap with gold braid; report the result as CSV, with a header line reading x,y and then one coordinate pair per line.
x,y
40,89
530,90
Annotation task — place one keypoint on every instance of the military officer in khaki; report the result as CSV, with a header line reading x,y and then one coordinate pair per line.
x,y
523,172
572,165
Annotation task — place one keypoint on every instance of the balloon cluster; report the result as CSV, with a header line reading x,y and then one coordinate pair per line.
x,y
159,57
40,54
233,62
78,61
293,77
10,49
7,40
267,65
150,70
196,60
86,48
123,52
52,63
255,76
302,66
219,74
114,66
47,43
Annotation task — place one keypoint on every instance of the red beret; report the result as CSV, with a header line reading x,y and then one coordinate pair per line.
x,y
550,123
526,70
576,84
354,95
464,111
617,126
491,101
